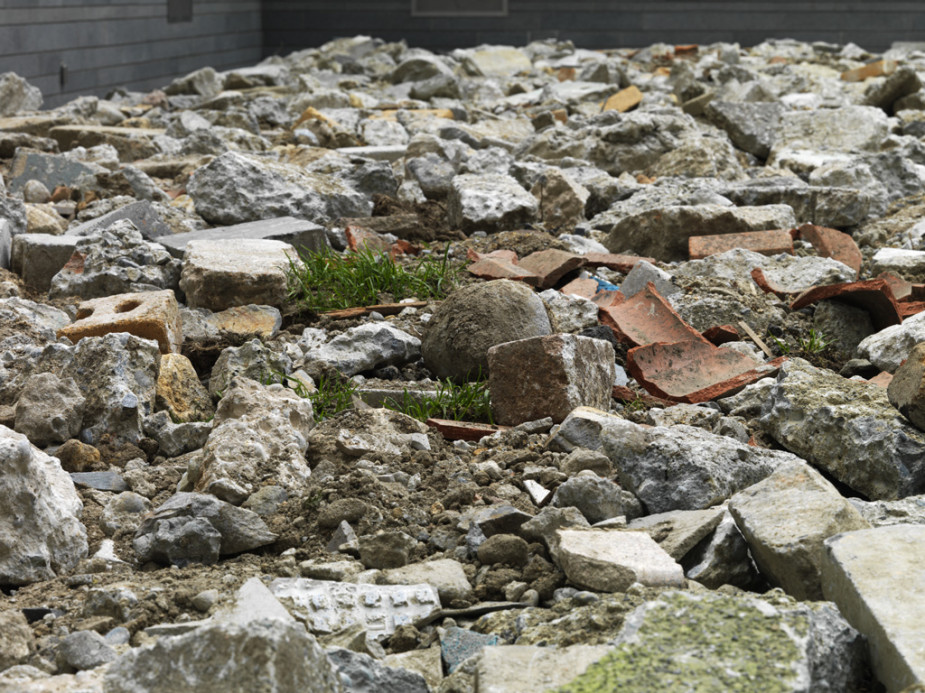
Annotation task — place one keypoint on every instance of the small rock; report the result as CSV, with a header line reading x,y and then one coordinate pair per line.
x,y
386,549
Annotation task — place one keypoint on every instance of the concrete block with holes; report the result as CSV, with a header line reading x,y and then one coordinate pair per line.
x,y
149,314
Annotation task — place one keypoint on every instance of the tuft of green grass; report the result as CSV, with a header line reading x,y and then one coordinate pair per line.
x,y
332,395
459,402
328,280
815,343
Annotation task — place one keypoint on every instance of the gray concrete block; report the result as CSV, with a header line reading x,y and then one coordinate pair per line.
x,y
6,239
142,214
37,257
298,233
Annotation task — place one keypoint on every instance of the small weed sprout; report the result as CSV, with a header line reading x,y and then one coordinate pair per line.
x,y
466,402
815,343
332,395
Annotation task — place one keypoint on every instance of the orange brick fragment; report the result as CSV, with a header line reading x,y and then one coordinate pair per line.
x,y
765,242
880,68
624,100
148,314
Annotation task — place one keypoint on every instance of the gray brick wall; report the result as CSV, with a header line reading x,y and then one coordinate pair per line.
x,y
111,43
293,24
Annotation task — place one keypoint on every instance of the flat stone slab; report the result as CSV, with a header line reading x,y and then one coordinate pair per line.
x,y
49,169
328,607
142,214
222,274
101,481
612,560
875,577
678,531
771,242
646,318
299,233
694,371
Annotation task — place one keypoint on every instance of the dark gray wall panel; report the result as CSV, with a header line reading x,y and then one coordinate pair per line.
x,y
111,43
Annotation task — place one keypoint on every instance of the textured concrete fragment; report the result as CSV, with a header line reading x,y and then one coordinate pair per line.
x,y
489,202
846,428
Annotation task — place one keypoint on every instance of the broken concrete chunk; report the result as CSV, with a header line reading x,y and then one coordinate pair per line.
x,y
489,202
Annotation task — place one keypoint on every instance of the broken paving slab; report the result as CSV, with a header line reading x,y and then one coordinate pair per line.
x,y
875,577
694,371
49,169
786,518
679,531
328,607
142,214
873,295
299,233
772,242
848,429
646,318
149,315
612,560
222,274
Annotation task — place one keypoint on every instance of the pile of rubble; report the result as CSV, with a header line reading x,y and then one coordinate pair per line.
x,y
690,273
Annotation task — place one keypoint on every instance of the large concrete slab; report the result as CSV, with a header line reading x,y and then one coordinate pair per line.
x,y
50,169
299,233
875,576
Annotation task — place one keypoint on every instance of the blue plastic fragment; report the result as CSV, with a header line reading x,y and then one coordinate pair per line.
x,y
604,285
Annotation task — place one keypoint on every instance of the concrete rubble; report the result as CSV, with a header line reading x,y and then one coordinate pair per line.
x,y
652,416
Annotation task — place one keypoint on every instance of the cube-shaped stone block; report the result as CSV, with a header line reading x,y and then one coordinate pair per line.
x,y
149,314
222,274
37,257
537,377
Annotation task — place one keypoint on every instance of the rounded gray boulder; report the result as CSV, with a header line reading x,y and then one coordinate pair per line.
x,y
476,318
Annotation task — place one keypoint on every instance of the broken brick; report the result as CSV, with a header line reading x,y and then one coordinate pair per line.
x,y
625,394
771,242
766,284
694,372
881,379
646,318
499,268
879,68
614,261
508,255
584,287
908,308
551,265
832,243
148,314
359,238
721,334
624,100
873,295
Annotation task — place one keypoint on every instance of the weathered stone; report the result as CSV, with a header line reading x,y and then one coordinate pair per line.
x,y
597,499
197,528
561,201
494,61
875,600
564,372
905,391
174,439
386,549
847,429
37,257
41,535
445,575
235,188
17,643
785,520
221,274
680,467
204,82
253,360
612,560
726,639
329,607
722,559
751,126
259,432
489,202
131,144
568,312
360,672
179,391
202,326
124,513
368,346
473,319
49,409
84,649
17,95
507,549
663,232
679,531
268,655
889,347
116,260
